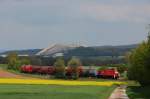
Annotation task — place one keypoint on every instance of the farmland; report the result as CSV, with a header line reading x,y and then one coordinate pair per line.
x,y
54,92
20,86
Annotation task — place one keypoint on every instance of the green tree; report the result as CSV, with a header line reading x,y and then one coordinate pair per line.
x,y
13,61
121,68
59,68
73,64
25,61
139,64
34,60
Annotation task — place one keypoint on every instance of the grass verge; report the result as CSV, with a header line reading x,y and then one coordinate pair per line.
x,y
135,91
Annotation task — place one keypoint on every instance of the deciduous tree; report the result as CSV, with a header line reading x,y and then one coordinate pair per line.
x,y
73,64
139,64
59,68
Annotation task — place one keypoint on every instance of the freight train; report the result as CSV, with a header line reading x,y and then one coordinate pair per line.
x,y
50,70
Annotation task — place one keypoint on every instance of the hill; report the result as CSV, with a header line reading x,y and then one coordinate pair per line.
x,y
56,48
28,52
101,51
76,50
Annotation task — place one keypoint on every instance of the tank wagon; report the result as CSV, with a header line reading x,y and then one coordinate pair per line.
x,y
45,69
37,69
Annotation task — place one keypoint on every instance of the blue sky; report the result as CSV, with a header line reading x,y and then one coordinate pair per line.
x,y
38,23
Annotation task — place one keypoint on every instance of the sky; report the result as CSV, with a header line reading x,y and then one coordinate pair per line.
x,y
26,24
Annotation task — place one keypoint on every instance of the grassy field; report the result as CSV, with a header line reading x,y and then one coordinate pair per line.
x,y
138,92
135,91
3,66
54,92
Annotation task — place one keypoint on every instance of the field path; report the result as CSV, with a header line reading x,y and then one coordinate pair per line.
x,y
6,74
119,93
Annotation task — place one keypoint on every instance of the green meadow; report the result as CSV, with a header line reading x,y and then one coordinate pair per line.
x,y
54,92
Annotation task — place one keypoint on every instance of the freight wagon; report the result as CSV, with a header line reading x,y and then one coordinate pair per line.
x,y
46,69
37,69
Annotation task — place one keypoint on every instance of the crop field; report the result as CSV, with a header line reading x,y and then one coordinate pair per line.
x,y
54,92
58,82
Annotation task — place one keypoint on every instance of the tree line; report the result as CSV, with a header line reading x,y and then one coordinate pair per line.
x,y
49,61
15,62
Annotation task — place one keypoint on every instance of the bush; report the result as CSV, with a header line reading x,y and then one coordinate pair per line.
x,y
59,68
102,68
74,64
13,61
25,61
139,64
121,68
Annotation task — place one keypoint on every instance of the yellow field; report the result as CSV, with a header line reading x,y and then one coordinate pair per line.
x,y
58,82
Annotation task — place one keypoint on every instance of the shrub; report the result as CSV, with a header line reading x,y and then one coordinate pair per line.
x,y
121,68
102,68
74,64
25,61
59,68
13,61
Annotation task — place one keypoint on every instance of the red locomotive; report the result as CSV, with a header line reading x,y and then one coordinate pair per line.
x,y
113,73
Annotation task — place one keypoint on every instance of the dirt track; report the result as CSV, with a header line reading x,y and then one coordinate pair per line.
x,y
6,74
119,93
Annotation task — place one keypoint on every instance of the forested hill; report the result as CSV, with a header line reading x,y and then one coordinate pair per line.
x,y
84,51
120,46
23,52
101,50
